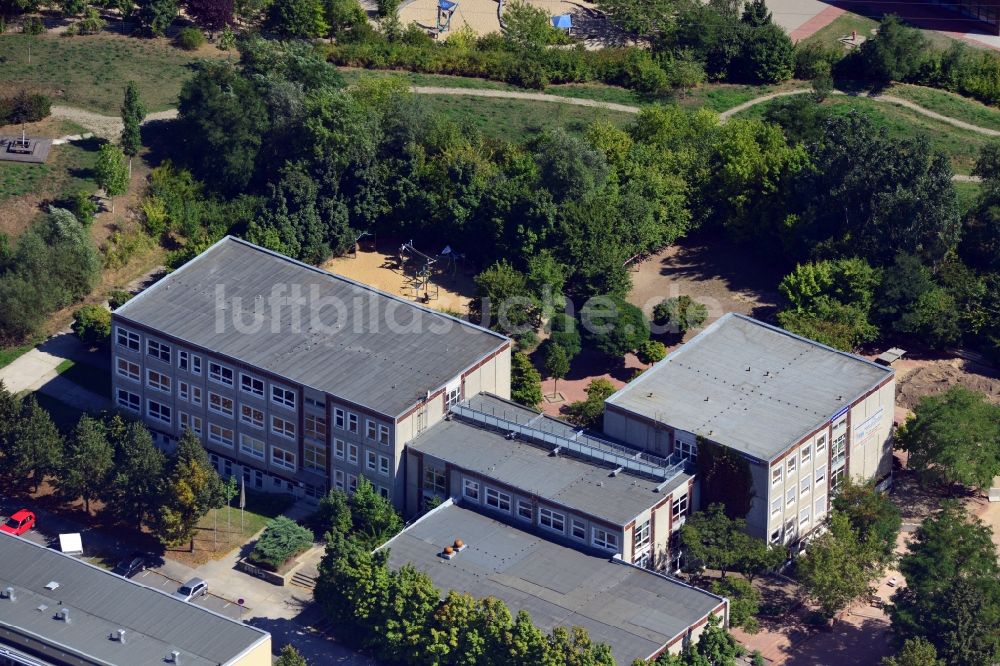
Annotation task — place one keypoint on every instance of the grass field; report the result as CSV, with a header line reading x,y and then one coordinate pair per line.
x,y
967,194
846,22
10,354
69,169
961,146
950,104
90,72
515,119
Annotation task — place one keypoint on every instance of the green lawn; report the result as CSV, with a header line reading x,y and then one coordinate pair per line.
x,y
90,71
723,96
69,169
846,22
9,354
219,530
961,146
949,104
515,119
967,194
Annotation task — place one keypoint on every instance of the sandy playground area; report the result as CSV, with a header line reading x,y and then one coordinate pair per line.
x,y
450,287
483,16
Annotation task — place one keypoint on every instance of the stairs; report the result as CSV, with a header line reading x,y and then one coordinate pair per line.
x,y
304,580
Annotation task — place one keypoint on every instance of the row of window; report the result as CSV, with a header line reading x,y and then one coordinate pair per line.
x,y
806,516
344,420
348,451
349,483
804,488
549,519
803,458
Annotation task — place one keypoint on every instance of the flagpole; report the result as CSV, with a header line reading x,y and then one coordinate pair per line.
x,y
243,503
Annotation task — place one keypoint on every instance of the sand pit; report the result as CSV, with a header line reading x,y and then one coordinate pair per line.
x,y
450,289
482,16
932,377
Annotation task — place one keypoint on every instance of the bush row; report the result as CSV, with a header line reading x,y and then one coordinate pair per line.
x,y
24,107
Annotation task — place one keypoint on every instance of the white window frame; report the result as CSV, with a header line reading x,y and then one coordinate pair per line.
x,y
162,351
371,460
183,359
525,511
192,423
282,397
311,455
805,515
131,369
805,455
352,454
790,496
317,429
604,539
217,373
643,535
217,434
819,507
184,391
679,506
777,474
339,418
127,339
383,434
220,407
578,529
821,474
251,418
499,500
287,431
470,489
128,400
790,464
820,444
371,430
280,456
384,466
352,483
339,449
195,395
548,519
248,384
776,506
160,409
338,479
805,486
352,423
162,383
248,446
435,481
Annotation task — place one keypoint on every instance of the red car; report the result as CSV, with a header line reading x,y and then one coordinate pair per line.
x,y
19,523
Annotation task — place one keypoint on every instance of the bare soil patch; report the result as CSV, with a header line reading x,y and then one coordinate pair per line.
x,y
937,376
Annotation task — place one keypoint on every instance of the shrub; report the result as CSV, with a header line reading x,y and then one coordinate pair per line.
x,y
154,215
651,351
813,59
91,23
282,539
190,39
32,25
24,107
614,326
587,413
564,331
92,324
118,298
680,314
84,208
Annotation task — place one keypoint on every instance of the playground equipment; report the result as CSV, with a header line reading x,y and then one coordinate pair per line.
x,y
563,22
445,10
422,275
357,243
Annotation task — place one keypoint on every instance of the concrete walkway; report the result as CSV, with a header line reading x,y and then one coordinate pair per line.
x,y
36,371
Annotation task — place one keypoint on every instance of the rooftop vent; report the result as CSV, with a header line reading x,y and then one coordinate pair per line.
x,y
175,657
453,550
63,615
120,636
51,585
9,593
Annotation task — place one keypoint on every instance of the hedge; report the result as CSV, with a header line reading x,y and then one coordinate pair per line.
x,y
24,107
282,539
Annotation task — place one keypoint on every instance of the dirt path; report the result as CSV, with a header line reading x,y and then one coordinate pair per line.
x,y
516,94
103,126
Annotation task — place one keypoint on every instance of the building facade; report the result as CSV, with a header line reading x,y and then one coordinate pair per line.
x,y
294,407
801,415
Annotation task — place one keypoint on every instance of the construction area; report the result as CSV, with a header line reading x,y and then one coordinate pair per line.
x,y
918,378
440,281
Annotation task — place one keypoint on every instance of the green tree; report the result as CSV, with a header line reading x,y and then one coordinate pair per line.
x,y
952,438
649,20
333,514
112,172
526,27
837,567
564,331
679,314
952,593
403,624
744,602
84,208
915,652
872,515
86,463
133,113
715,646
191,488
573,169
651,351
375,521
299,19
556,364
911,302
344,16
614,326
92,324
35,447
525,381
281,540
155,16
133,490
768,55
588,413
712,539
894,53
290,657
503,299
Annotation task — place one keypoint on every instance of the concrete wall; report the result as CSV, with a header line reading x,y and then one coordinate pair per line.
x,y
259,655
871,421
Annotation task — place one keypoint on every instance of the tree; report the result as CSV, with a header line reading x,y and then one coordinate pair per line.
x,y
375,521
952,438
837,567
290,657
915,652
713,540
679,314
298,19
744,602
556,364
614,326
333,514
952,593
526,27
768,55
651,351
112,172
133,113
133,490
894,53
403,624
86,462
504,300
564,331
756,14
872,515
92,324
214,15
588,413
911,302
716,646
35,448
573,169
649,20
192,487
344,16
155,16
525,381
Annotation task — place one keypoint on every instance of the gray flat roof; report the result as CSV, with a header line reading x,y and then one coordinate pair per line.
x,y
584,485
371,348
100,603
633,610
792,387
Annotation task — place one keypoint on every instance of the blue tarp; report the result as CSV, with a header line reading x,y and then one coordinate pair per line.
x,y
446,5
563,21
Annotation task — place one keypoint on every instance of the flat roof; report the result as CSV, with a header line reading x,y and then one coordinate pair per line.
x,y
635,611
371,348
750,386
100,603
584,485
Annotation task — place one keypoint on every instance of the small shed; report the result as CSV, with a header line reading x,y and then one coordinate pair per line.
x,y
890,356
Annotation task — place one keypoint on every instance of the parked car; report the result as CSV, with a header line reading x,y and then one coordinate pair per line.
x,y
195,587
19,523
133,564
